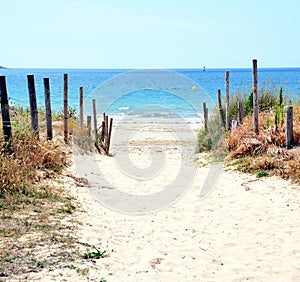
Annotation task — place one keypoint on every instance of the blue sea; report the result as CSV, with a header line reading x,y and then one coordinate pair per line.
x,y
155,92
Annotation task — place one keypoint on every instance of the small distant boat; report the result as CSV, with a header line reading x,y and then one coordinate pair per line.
x,y
203,68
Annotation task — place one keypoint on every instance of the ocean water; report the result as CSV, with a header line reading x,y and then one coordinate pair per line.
x,y
157,92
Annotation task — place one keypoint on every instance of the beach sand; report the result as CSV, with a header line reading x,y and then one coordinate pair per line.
x,y
246,229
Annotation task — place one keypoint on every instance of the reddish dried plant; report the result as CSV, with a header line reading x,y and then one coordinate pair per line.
x,y
266,150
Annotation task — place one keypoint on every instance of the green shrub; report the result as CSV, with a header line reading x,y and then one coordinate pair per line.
x,y
262,174
212,138
249,105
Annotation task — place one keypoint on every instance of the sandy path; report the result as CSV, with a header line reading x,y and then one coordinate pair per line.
x,y
247,229
234,235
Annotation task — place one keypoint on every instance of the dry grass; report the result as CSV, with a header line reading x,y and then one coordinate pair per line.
x,y
267,98
266,151
28,157
32,235
33,201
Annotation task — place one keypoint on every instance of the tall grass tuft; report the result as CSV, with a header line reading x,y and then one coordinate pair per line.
x,y
266,151
267,98
211,139
28,156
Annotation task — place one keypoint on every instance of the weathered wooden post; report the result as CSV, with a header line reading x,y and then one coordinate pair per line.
x,y
95,120
48,108
106,130
240,112
66,114
81,107
103,131
33,105
289,127
109,136
220,108
205,115
227,101
103,128
255,97
89,125
6,125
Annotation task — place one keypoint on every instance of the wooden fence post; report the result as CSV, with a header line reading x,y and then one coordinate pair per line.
x,y
89,125
255,97
109,136
220,108
6,125
103,128
66,114
48,108
33,105
289,127
81,107
205,113
240,112
227,101
103,131
106,129
95,120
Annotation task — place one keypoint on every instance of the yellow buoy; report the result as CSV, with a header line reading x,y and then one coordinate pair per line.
x,y
193,88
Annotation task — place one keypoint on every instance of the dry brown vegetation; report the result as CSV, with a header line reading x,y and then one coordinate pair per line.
x,y
33,200
266,151
28,157
264,154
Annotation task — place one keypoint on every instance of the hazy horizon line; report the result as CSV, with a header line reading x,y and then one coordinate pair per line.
x,y
140,68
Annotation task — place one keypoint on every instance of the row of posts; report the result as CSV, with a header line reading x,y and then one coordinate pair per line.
x,y
102,139
34,111
234,123
7,132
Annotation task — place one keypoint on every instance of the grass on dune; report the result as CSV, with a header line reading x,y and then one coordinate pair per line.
x,y
28,157
266,151
33,200
264,154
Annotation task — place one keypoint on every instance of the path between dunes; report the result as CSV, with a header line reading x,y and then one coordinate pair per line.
x,y
247,229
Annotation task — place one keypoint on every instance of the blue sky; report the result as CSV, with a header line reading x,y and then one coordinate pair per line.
x,y
149,33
